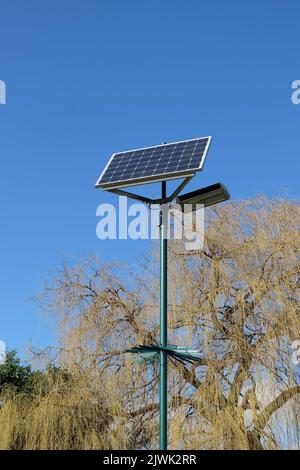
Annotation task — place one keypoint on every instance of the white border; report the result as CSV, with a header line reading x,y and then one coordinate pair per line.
x,y
153,177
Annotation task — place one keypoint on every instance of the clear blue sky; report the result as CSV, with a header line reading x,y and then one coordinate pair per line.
x,y
87,78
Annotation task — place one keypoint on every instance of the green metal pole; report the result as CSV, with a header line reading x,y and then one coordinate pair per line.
x,y
163,399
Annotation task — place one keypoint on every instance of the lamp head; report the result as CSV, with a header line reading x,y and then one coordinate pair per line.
x,y
207,196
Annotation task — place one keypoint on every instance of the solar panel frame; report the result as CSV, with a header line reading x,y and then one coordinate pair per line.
x,y
154,177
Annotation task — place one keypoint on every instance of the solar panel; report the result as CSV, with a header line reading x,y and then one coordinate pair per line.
x,y
161,162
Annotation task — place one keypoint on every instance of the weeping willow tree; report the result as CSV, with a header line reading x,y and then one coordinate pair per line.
x,y
236,301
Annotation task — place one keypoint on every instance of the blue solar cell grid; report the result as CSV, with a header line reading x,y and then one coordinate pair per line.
x,y
143,165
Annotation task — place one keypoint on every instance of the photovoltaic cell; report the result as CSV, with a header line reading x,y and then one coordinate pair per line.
x,y
161,162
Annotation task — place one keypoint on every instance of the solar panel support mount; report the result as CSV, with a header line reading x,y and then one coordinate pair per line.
x,y
149,201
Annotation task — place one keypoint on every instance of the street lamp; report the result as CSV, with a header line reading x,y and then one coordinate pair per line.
x,y
160,164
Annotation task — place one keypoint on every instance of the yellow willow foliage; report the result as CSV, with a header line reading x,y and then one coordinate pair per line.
x,y
69,416
236,300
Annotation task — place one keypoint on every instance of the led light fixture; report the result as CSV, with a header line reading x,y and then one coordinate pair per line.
x,y
207,196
